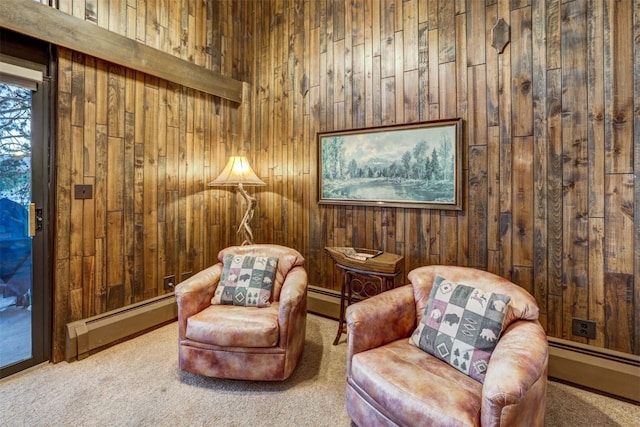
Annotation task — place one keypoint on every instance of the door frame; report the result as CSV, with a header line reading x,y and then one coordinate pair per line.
x,y
42,195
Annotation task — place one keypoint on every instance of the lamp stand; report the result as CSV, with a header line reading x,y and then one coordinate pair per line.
x,y
244,227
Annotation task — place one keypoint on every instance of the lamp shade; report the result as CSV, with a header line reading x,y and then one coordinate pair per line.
x,y
237,171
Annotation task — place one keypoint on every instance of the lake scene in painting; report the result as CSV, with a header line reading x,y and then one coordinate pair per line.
x,y
408,165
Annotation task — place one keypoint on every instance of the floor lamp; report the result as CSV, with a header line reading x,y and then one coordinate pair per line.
x,y
238,172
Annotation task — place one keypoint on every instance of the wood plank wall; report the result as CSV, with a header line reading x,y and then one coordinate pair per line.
x,y
148,147
551,145
549,138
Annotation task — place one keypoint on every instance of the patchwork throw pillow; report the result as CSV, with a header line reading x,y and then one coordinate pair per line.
x,y
461,325
246,281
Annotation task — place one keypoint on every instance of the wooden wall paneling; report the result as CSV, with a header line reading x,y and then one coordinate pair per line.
x,y
358,88
448,89
132,137
574,141
128,183
423,9
423,71
540,158
114,260
376,67
619,322
522,144
475,24
636,168
161,218
76,235
410,35
199,142
426,238
434,76
150,189
462,111
619,187
446,32
523,202
477,207
504,100
398,79
513,101
555,241
100,221
596,160
339,84
619,78
171,180
596,124
619,258
183,200
493,197
597,283
388,221
189,184
209,227
412,240
387,40
388,104
432,13
315,235
138,278
401,235
521,72
348,67
492,62
545,133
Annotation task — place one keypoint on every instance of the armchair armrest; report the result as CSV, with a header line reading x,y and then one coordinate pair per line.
x,y
378,320
294,289
292,314
518,362
195,293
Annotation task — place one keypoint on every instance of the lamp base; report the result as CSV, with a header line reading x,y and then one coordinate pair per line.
x,y
244,230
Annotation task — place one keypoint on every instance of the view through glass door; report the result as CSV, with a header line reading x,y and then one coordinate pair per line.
x,y
24,334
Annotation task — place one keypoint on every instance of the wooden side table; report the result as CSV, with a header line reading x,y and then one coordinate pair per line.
x,y
364,277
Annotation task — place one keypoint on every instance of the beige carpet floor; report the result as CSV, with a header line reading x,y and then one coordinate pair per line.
x,y
138,383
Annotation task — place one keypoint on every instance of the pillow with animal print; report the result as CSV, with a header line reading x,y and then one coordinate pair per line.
x,y
246,281
461,325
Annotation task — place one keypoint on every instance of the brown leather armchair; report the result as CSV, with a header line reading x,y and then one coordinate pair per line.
x,y
249,343
391,382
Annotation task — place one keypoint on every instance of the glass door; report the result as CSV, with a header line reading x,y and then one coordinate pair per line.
x,y
24,331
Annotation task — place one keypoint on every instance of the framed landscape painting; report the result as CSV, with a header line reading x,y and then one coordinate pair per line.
x,y
417,165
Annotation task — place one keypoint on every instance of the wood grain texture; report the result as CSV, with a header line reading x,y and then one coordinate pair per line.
x,y
551,139
45,23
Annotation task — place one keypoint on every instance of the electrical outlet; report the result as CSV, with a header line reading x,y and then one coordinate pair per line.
x,y
583,328
169,283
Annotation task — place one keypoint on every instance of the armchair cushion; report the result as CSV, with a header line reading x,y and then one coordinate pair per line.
x,y
417,385
232,326
246,280
461,326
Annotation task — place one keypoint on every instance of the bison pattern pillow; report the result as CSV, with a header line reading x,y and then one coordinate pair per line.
x,y
246,281
461,325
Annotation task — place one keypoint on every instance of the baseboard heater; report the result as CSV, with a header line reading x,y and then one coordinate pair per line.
x,y
609,372
324,302
94,333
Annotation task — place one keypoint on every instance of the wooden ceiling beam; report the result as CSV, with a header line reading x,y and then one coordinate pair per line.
x,y
46,23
